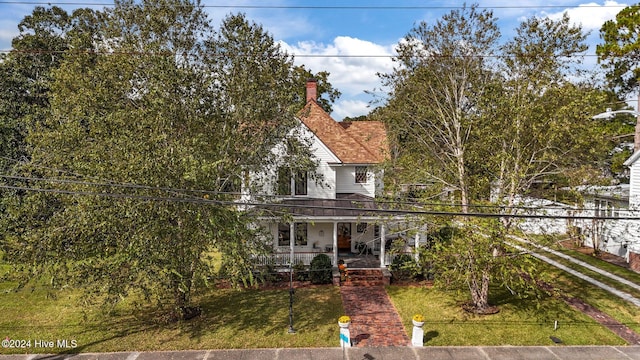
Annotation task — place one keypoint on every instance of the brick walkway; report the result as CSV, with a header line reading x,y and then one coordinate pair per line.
x,y
374,320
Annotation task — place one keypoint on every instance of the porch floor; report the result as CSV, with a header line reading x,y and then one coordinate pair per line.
x,y
354,261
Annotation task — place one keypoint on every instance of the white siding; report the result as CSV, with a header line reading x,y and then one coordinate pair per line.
x,y
325,186
346,181
322,185
634,186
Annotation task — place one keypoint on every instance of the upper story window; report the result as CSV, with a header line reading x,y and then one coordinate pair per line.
x,y
284,182
301,183
283,186
361,174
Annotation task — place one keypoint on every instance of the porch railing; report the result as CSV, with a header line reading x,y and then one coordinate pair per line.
x,y
388,258
284,258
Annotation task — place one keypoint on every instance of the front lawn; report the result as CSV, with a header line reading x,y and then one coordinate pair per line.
x,y
260,319
519,322
230,319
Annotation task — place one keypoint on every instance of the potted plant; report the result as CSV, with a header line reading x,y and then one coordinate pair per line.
x,y
344,321
418,320
344,272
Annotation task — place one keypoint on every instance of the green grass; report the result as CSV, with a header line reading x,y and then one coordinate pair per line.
x,y
230,319
259,319
619,309
570,285
519,322
611,268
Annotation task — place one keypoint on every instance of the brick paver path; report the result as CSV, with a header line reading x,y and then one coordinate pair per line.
x,y
374,319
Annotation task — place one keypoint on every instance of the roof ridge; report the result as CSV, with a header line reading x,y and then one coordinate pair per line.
x,y
377,156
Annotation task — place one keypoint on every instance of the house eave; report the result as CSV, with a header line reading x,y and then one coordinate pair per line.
x,y
632,159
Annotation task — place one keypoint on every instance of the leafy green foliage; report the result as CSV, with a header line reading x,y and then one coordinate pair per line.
x,y
476,257
619,47
320,269
403,267
140,139
432,109
491,122
301,272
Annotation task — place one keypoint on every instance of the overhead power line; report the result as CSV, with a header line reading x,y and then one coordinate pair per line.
x,y
328,56
332,7
284,206
201,192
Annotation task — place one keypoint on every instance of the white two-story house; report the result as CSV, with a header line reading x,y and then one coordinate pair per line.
x,y
335,213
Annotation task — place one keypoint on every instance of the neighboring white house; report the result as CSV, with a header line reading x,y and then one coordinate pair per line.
x,y
633,229
335,213
605,204
605,219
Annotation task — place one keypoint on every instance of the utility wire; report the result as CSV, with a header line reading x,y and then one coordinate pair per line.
x,y
336,7
185,191
328,56
358,210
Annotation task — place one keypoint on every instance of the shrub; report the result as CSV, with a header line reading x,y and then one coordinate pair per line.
x,y
403,267
320,270
300,272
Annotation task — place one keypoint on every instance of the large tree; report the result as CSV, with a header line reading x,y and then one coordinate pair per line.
x,y
479,118
25,79
148,134
620,48
538,123
443,68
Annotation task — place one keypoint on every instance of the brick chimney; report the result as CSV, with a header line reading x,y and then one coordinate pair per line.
x,y
312,90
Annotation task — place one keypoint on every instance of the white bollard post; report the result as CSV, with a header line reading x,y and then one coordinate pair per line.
x,y
345,338
418,334
345,335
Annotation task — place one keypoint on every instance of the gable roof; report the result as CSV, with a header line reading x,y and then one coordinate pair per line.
x,y
364,143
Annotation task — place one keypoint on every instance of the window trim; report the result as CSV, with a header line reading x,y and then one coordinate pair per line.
x,y
358,175
285,230
301,234
300,184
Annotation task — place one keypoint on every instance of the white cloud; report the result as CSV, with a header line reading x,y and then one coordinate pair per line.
x,y
591,15
350,108
352,63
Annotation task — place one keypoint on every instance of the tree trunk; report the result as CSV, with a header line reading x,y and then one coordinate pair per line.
x,y
480,292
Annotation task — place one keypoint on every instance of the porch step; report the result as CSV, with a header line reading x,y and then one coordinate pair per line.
x,y
366,277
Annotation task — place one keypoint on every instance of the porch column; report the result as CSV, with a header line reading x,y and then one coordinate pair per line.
x,y
421,230
335,243
383,237
276,237
292,239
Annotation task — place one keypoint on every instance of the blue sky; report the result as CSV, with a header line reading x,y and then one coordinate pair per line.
x,y
321,29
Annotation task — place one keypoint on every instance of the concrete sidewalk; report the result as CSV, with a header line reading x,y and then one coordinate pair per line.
x,y
377,353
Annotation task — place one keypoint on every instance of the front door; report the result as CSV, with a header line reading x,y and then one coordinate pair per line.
x,y
344,236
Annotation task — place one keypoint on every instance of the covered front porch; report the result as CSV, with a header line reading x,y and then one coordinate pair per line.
x,y
351,227
358,242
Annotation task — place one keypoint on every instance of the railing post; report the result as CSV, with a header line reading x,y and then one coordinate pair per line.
x,y
383,241
335,243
